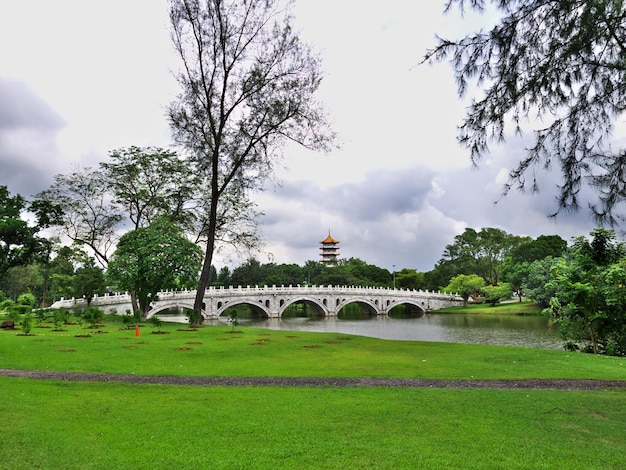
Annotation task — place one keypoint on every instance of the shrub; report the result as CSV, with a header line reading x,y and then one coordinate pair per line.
x,y
27,323
26,298
61,317
93,316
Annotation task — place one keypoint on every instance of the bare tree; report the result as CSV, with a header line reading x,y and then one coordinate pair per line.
x,y
90,217
560,68
248,87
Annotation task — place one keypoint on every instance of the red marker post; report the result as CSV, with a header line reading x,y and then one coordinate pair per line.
x,y
137,330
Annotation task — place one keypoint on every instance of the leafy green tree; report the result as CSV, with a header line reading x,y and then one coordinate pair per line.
x,y
481,252
589,304
540,248
152,182
410,279
495,294
89,281
151,259
19,242
465,286
21,279
247,88
535,285
558,68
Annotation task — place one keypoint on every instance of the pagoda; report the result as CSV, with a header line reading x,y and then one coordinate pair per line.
x,y
330,250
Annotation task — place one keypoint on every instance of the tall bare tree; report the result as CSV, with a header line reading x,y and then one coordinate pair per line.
x,y
248,87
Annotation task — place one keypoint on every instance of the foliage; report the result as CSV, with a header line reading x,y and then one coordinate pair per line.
x,y
494,294
465,285
19,242
26,298
589,304
156,322
61,317
558,67
538,249
410,279
89,281
151,182
481,252
153,259
247,88
93,316
90,218
27,323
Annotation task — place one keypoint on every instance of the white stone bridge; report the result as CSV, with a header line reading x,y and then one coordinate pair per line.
x,y
273,301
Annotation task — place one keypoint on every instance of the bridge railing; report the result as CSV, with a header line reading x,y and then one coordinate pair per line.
x,y
119,297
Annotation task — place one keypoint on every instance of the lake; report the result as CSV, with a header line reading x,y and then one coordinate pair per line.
x,y
501,330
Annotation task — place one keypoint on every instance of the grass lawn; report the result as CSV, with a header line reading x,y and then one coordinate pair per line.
x,y
79,425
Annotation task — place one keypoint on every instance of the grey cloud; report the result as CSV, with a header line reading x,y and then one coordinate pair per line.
x,y
28,130
22,109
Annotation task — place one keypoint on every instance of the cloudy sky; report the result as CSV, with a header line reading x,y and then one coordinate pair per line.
x,y
79,78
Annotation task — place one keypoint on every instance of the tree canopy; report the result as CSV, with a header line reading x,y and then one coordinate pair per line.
x,y
152,259
557,68
19,242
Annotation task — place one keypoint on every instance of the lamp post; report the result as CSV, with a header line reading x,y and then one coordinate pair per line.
x,y
394,276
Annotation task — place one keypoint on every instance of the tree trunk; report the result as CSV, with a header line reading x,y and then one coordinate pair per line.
x,y
205,274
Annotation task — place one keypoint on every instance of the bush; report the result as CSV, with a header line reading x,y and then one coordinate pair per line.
x,y
26,298
93,316
61,317
27,323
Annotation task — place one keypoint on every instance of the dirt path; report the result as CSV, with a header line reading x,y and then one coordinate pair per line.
x,y
522,384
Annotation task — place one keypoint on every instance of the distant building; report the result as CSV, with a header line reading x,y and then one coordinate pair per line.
x,y
329,250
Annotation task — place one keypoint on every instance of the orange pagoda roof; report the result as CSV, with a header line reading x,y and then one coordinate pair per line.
x,y
329,239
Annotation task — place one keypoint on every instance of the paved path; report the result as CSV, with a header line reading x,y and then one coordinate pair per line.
x,y
509,384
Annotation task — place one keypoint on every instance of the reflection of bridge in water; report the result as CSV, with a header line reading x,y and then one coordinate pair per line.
x,y
273,301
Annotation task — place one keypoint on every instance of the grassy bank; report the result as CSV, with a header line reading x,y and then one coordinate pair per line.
x,y
52,424
509,308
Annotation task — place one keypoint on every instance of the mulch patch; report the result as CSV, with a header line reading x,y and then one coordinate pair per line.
x,y
193,342
313,346
183,349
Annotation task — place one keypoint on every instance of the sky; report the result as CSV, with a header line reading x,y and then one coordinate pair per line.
x,y
80,78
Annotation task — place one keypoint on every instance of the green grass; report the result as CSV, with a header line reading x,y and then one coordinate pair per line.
x,y
78,425
215,351
53,425
509,308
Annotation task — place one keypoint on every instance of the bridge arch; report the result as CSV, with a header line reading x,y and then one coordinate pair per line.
x,y
410,302
311,300
260,305
370,306
161,306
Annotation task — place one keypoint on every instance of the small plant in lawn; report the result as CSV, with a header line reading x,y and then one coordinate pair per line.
x,y
233,320
60,318
26,324
13,314
41,316
93,316
128,319
156,324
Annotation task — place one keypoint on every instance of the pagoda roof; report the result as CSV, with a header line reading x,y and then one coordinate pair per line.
x,y
329,239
